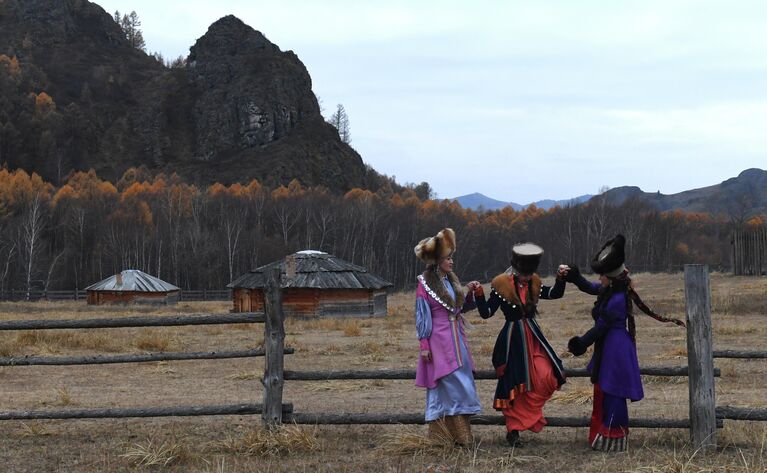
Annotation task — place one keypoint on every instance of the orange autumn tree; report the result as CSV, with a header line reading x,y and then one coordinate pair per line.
x,y
80,206
18,189
236,207
10,66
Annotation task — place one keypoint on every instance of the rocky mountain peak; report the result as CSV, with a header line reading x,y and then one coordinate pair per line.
x,y
229,36
241,109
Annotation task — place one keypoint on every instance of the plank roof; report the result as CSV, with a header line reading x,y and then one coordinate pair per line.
x,y
313,269
133,280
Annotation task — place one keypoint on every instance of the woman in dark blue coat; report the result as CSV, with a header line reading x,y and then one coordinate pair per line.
x,y
527,367
614,367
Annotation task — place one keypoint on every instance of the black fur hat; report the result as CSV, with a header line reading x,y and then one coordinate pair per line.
x,y
525,257
609,260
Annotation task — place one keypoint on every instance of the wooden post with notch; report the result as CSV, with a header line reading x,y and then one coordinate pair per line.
x,y
700,356
274,343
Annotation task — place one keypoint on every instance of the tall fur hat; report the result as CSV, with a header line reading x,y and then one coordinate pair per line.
x,y
609,260
434,249
525,257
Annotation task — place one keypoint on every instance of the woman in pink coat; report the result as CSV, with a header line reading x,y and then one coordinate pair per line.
x,y
445,367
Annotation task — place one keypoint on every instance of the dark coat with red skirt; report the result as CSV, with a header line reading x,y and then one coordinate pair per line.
x,y
510,354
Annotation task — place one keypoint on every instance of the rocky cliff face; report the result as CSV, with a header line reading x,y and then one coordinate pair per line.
x,y
240,109
250,93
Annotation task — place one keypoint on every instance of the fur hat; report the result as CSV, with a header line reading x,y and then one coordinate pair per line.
x,y
525,257
433,249
609,260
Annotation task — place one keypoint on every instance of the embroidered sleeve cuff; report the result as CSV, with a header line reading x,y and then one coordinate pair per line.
x,y
425,344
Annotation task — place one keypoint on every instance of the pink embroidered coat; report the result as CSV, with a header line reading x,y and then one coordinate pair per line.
x,y
440,330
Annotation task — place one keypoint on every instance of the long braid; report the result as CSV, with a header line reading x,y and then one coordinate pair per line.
x,y
632,325
623,284
633,298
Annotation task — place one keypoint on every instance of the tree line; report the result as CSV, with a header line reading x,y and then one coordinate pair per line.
x,y
203,237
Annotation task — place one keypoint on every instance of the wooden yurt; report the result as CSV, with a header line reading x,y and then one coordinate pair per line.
x,y
314,284
132,286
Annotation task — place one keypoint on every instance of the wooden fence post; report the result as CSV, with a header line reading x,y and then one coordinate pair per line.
x,y
274,343
700,357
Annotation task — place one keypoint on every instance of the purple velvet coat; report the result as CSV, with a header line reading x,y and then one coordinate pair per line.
x,y
443,341
614,364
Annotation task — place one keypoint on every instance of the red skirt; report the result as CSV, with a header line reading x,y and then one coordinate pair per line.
x,y
526,411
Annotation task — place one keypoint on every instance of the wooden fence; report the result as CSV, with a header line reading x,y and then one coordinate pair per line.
x,y
704,416
142,321
703,419
749,251
81,294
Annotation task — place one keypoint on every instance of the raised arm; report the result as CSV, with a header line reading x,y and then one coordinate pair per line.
x,y
485,307
553,292
469,302
574,276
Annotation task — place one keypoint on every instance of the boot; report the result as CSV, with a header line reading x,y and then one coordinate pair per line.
x,y
460,427
513,438
439,432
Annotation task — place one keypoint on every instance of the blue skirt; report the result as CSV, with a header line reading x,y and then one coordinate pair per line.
x,y
455,394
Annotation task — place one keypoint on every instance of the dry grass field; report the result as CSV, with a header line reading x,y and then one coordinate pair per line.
x,y
237,444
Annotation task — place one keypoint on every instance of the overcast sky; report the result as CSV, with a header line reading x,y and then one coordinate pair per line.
x,y
521,101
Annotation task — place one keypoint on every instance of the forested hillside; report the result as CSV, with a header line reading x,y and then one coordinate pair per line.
x,y
203,236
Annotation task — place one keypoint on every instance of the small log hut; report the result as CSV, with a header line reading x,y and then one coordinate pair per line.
x,y
315,284
132,286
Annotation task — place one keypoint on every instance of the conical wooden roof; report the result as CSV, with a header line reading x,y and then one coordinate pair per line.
x,y
313,269
133,280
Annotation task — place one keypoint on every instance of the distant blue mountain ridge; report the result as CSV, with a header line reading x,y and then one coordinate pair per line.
x,y
739,197
476,201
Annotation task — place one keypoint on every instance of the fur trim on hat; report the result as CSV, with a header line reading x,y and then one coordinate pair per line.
x,y
525,257
433,249
611,257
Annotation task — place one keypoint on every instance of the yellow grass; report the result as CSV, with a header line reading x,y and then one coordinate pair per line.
x,y
228,444
63,397
414,441
674,353
153,341
34,429
352,328
664,380
153,453
575,396
245,376
285,440
53,341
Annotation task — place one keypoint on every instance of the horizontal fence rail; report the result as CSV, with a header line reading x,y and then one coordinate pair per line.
x,y
206,295
130,358
36,295
748,354
351,418
741,413
174,411
143,321
481,374
18,295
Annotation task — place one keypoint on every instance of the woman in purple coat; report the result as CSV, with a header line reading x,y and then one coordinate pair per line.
x,y
445,367
614,367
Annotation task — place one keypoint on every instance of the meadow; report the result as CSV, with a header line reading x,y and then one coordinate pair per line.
x,y
239,444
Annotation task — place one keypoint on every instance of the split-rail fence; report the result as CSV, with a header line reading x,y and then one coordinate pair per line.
x,y
704,416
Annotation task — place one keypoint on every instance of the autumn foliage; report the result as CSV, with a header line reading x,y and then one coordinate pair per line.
x,y
88,228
